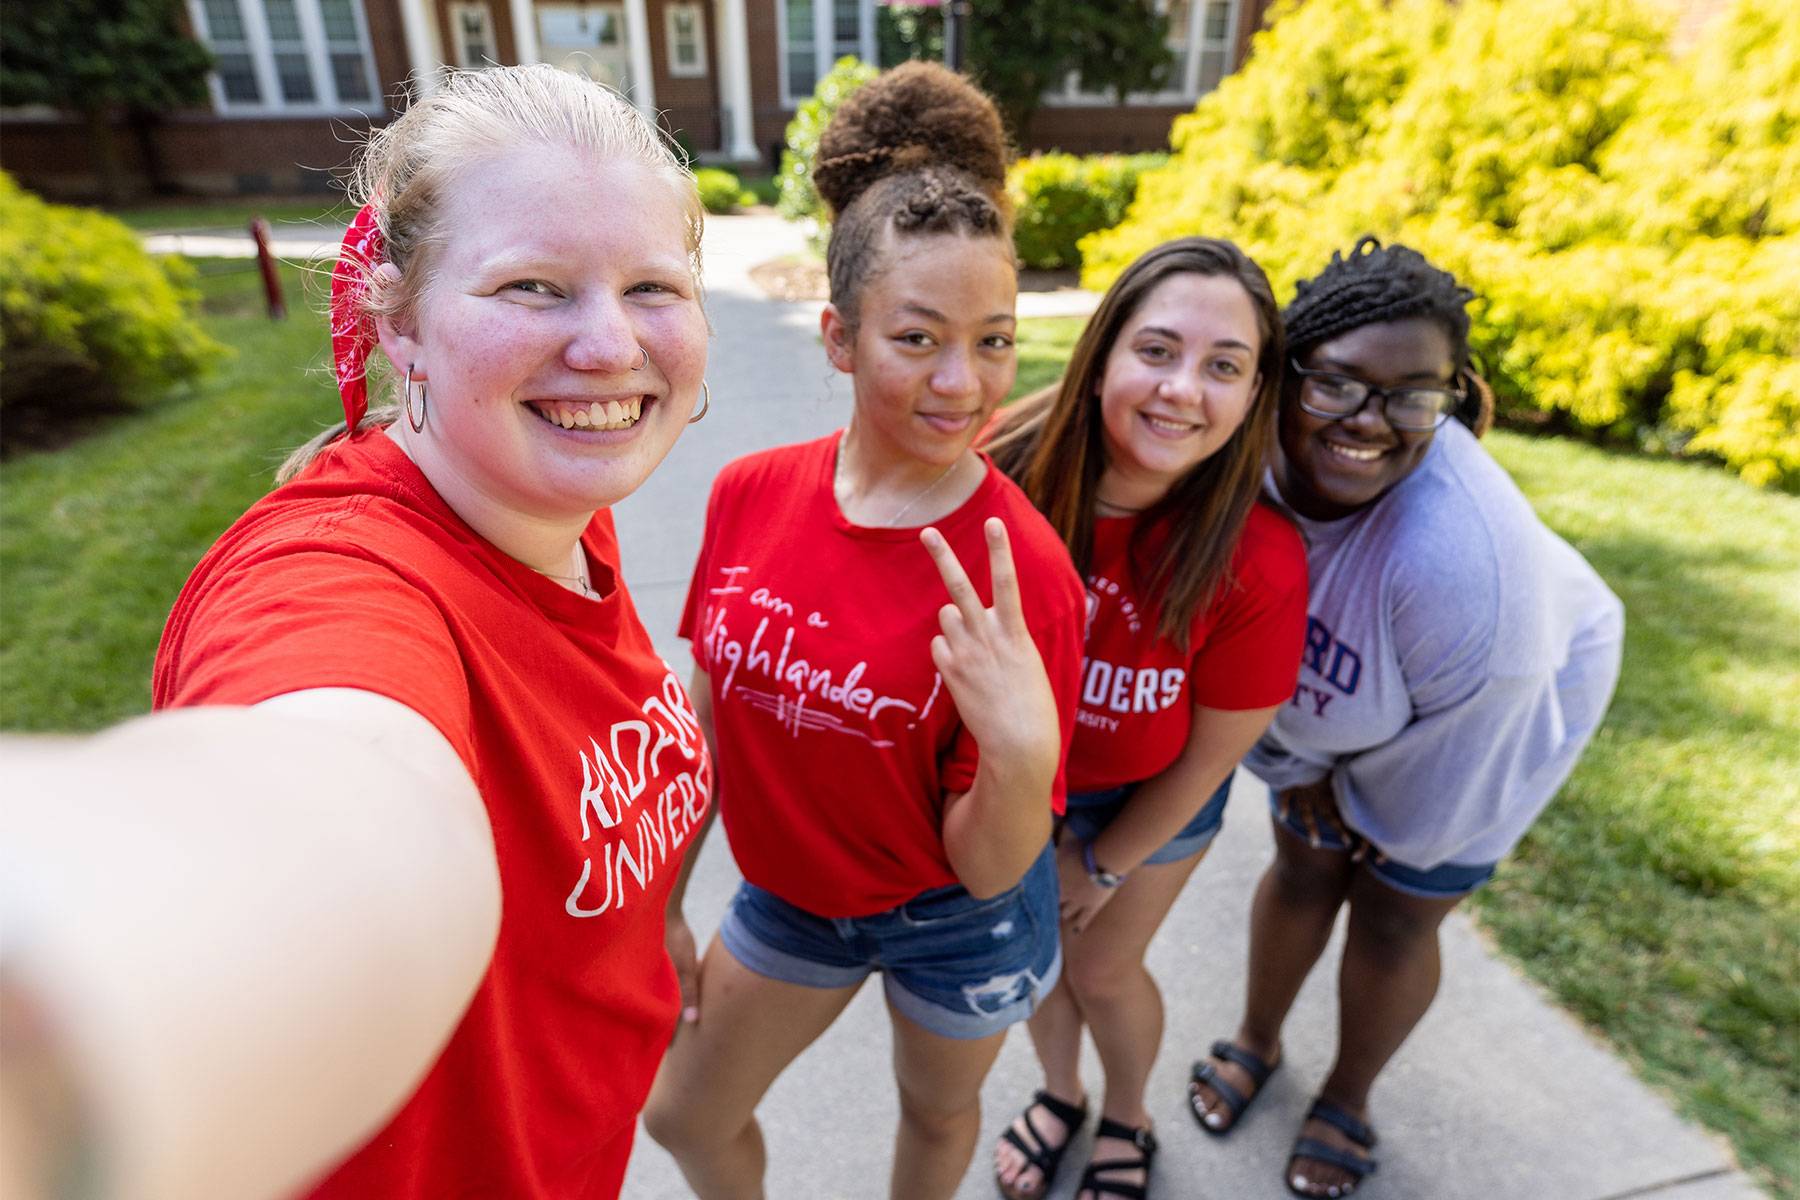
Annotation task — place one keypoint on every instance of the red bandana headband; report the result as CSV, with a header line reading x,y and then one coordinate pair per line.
x,y
352,329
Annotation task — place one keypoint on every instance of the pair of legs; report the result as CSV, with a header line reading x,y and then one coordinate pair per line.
x,y
1107,990
1387,980
703,1106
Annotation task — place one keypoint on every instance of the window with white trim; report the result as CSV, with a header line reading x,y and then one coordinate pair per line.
x,y
684,27
472,35
1201,35
815,34
287,56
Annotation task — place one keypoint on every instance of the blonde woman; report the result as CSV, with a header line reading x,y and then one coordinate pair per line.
x,y
267,923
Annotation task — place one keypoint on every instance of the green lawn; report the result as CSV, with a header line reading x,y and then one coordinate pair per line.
x,y
194,215
1658,898
96,538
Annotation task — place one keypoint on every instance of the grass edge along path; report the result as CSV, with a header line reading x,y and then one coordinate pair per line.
x,y
1656,899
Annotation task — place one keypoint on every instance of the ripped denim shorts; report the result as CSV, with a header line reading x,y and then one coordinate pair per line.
x,y
958,966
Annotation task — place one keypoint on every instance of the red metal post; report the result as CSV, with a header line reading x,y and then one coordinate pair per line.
x,y
259,229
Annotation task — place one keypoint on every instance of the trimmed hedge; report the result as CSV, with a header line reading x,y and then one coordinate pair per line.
x,y
1629,217
1058,199
721,191
89,322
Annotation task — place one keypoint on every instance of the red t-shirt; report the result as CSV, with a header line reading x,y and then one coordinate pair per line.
x,y
1138,690
585,749
837,739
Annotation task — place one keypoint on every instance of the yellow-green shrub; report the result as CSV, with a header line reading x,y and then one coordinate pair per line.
x,y
88,320
720,190
1630,217
1058,199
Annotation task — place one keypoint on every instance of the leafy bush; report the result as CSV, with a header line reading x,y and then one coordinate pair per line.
x,y
720,191
798,199
1630,218
88,320
1058,199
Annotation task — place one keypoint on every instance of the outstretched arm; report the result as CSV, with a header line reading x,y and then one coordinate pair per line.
x,y
250,931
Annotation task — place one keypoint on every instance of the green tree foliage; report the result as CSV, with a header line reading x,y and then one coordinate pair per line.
x,y
1629,215
1017,52
98,58
88,321
798,200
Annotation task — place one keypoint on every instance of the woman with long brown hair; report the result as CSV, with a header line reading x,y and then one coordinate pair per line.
x,y
1147,457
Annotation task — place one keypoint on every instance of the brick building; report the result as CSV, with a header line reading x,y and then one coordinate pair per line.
x,y
296,80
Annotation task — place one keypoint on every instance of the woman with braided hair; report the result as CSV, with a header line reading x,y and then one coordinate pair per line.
x,y
889,763
1458,657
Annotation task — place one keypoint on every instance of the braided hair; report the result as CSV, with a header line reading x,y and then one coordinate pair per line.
x,y
920,150
1376,283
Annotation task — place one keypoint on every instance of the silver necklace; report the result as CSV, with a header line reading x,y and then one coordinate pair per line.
x,y
1117,510
580,580
837,476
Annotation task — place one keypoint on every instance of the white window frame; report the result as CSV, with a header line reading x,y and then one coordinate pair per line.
x,y
325,100
1071,94
677,69
825,51
459,40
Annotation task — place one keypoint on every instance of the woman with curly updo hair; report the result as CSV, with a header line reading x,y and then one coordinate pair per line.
x,y
889,762
1458,657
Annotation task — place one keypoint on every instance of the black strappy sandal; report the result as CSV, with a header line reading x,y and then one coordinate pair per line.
x,y
1144,1140
1235,1102
1039,1154
1357,1131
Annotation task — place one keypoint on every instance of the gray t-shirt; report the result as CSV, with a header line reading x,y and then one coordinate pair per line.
x,y
1459,656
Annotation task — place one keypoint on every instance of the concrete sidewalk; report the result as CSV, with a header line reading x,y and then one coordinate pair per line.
x,y
1498,1093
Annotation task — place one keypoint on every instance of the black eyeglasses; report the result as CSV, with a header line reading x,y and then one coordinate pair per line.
x,y
1335,397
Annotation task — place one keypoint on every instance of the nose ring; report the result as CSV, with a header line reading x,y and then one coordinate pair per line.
x,y
644,361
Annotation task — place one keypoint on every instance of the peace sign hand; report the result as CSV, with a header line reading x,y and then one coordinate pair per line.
x,y
989,662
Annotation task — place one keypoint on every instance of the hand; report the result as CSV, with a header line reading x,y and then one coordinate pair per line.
x,y
1082,898
989,662
1314,805
679,939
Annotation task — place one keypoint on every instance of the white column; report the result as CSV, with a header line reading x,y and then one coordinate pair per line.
x,y
524,27
637,41
734,81
421,44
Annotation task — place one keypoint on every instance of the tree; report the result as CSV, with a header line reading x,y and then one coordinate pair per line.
x,y
1020,51
100,58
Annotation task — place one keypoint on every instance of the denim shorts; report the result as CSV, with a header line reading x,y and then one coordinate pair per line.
x,y
1439,883
1090,812
958,966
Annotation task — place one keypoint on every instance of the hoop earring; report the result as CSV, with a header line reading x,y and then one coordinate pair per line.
x,y
406,391
705,403
645,360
